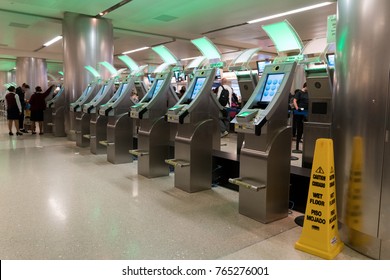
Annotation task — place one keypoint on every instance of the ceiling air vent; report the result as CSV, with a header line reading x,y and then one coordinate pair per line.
x,y
19,25
165,18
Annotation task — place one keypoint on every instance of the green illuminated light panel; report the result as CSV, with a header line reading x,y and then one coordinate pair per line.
x,y
165,54
109,67
130,63
283,36
207,48
61,73
93,71
245,113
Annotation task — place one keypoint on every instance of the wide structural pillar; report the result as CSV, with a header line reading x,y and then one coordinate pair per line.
x,y
32,71
361,125
86,41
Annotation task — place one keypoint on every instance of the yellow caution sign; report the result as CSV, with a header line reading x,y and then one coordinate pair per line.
x,y
320,234
353,214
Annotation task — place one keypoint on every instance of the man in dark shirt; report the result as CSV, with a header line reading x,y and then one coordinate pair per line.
x,y
301,104
21,92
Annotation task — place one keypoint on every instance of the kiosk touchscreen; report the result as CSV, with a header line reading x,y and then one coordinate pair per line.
x,y
51,103
143,109
87,93
265,98
201,82
112,107
100,96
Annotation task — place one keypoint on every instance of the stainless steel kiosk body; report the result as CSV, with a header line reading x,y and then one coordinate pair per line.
x,y
154,132
89,114
197,115
119,128
318,78
55,111
319,118
265,155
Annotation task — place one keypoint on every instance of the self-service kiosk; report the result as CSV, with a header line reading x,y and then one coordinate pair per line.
x,y
197,114
119,127
265,155
55,113
154,132
89,113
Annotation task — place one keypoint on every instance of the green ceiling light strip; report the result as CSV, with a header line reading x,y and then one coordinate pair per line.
x,y
207,48
61,73
283,36
109,67
130,63
166,54
92,71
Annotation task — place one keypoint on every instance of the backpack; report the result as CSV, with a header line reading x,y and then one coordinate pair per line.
x,y
224,97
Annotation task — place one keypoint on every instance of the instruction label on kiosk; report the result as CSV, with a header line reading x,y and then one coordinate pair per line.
x,y
320,235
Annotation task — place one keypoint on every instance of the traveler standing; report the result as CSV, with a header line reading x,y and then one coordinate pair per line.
x,y
21,91
37,106
301,104
224,96
14,109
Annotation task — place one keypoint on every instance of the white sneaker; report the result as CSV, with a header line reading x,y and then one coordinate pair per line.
x,y
223,134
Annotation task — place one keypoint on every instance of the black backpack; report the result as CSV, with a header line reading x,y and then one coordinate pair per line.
x,y
224,97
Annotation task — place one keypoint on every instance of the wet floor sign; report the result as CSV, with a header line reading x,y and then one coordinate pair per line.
x,y
320,234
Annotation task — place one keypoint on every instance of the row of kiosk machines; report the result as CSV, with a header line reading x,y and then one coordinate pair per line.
x,y
192,124
102,122
194,119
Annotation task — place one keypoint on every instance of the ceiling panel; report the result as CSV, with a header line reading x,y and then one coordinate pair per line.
x,y
142,23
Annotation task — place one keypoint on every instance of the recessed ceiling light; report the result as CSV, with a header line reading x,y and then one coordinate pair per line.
x,y
52,41
291,12
136,50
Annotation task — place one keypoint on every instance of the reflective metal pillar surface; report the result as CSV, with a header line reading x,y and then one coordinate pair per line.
x,y
361,125
86,41
32,71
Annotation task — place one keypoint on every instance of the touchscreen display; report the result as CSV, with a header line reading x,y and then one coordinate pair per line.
x,y
119,92
100,93
156,88
86,92
198,86
271,86
331,61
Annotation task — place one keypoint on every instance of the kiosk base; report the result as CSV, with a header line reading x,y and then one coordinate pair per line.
x,y
98,133
119,139
82,128
193,157
153,148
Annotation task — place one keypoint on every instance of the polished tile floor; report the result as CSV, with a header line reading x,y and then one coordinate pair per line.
x,y
58,201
